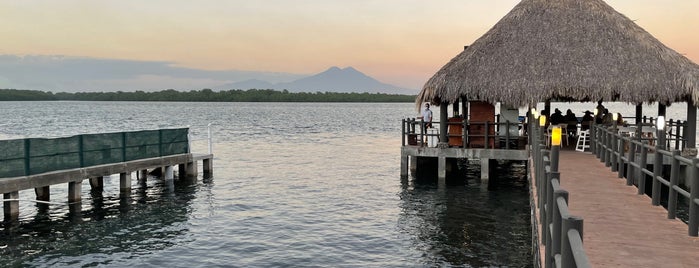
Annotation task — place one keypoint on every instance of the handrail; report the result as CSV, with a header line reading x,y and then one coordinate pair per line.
x,y
610,147
413,126
562,233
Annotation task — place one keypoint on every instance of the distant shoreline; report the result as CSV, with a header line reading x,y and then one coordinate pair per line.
x,y
204,95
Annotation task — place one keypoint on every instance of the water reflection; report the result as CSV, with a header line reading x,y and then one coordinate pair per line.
x,y
466,224
154,216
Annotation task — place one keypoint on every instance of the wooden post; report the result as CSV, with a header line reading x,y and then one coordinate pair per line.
x,y
674,180
691,128
192,169
639,113
97,183
693,195
11,208
569,223
642,163
74,190
403,164
125,183
43,193
208,166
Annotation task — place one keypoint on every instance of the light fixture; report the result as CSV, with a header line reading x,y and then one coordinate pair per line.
x,y
542,120
660,123
615,116
556,136
534,112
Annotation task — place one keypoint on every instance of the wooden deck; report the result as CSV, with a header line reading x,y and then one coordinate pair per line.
x,y
621,228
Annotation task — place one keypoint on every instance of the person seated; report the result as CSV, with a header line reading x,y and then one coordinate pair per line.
x,y
586,120
557,117
572,122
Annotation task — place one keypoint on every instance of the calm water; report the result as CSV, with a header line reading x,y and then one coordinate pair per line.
x,y
299,184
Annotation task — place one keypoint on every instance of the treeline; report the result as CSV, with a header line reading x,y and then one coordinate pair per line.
x,y
204,95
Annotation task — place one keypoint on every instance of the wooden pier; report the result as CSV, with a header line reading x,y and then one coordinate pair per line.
x,y
41,163
621,228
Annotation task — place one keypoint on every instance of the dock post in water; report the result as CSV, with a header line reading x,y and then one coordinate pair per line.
x,y
125,182
43,193
97,183
11,207
74,190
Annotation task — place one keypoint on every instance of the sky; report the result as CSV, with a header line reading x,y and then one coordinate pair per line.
x,y
87,45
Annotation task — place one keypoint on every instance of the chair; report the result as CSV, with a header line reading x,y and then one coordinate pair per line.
x,y
583,141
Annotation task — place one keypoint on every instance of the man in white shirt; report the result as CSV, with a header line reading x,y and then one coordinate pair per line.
x,y
426,118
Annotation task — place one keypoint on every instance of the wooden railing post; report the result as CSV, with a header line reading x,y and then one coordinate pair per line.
x,y
642,163
631,170
569,223
658,167
693,195
674,180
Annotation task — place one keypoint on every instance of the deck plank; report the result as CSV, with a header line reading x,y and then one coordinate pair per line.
x,y
621,228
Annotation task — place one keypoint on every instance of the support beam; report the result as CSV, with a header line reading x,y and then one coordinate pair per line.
x,y
142,174
442,170
125,182
74,190
485,170
192,169
11,208
43,193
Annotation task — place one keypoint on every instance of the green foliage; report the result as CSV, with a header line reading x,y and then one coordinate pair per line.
x,y
205,95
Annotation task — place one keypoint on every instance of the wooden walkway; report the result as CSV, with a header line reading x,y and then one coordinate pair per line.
x,y
621,228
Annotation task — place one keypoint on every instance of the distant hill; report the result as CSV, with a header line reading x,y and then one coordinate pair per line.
x,y
332,80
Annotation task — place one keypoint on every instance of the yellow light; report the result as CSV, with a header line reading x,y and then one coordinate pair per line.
x,y
542,120
535,113
615,116
556,136
595,112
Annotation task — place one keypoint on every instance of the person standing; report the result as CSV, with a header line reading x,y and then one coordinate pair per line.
x,y
426,118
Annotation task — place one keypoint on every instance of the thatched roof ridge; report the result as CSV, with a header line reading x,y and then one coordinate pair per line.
x,y
565,49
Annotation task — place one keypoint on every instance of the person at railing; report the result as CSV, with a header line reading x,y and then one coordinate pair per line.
x,y
607,118
426,118
586,120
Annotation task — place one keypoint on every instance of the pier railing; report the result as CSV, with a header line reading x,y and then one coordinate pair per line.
x,y
30,156
629,156
562,233
466,134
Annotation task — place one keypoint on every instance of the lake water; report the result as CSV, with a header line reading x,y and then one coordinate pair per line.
x,y
294,184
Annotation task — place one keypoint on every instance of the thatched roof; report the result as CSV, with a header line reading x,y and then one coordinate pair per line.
x,y
580,50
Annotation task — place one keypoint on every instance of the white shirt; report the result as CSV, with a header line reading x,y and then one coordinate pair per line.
x,y
427,115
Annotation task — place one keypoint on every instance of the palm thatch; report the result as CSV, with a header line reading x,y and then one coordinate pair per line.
x,y
575,50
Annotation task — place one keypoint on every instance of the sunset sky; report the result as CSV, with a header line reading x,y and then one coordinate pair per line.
x,y
401,42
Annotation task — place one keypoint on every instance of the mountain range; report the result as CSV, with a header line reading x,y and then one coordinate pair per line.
x,y
333,79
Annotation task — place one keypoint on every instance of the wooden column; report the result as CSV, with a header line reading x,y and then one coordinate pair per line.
x,y
661,109
691,128
639,113
403,165
443,123
192,169
485,170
